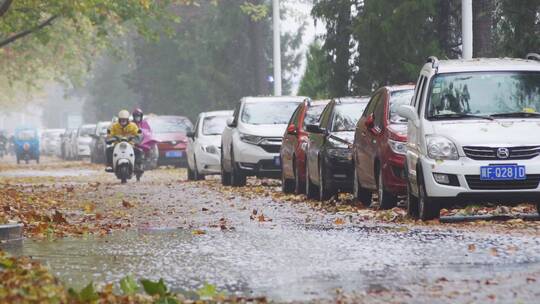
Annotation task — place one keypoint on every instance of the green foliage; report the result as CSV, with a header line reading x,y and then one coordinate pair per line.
x,y
154,288
517,28
316,78
87,295
129,286
209,292
256,12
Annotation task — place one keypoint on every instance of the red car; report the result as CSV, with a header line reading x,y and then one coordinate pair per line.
x,y
170,132
293,148
379,147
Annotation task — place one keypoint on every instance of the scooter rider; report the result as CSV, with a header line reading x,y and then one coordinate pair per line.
x,y
123,128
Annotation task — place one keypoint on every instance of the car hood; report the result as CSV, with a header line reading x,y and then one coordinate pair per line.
x,y
214,140
161,137
346,136
263,130
490,133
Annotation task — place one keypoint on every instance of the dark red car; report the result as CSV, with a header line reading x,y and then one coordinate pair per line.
x,y
379,147
170,132
293,148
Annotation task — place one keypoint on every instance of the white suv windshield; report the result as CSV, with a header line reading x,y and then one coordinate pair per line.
x,y
268,113
487,94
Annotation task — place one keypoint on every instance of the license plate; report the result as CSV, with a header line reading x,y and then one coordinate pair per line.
x,y
502,172
277,161
173,154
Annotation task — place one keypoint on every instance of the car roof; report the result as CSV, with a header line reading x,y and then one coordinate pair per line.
x,y
485,64
352,99
251,99
400,87
217,113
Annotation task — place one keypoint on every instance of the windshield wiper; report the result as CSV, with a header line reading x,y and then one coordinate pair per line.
x,y
517,114
460,115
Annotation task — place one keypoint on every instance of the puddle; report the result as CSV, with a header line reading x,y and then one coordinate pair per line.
x,y
292,264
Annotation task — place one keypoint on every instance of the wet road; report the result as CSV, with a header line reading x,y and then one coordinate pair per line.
x,y
293,253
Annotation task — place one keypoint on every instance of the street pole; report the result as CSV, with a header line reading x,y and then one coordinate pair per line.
x,y
467,28
277,48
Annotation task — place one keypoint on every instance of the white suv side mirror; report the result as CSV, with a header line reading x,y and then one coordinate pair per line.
x,y
409,112
230,122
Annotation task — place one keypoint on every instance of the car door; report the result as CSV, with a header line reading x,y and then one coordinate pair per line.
x,y
364,142
414,135
316,142
191,147
289,143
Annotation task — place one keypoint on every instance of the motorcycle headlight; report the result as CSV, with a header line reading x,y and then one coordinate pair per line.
x,y
210,149
398,147
337,143
439,147
250,139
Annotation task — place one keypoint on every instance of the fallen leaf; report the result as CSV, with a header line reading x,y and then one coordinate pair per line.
x,y
472,247
339,221
127,204
198,232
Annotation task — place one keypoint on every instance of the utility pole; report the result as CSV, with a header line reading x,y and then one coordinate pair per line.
x,y
467,28
277,48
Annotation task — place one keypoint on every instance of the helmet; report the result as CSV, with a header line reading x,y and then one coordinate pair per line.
x,y
123,117
137,115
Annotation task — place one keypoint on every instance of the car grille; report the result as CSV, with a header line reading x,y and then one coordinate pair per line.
x,y
475,183
271,145
490,153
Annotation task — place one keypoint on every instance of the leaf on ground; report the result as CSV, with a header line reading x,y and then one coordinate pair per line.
x,y
59,218
208,292
198,232
127,204
128,285
339,221
262,218
154,288
471,247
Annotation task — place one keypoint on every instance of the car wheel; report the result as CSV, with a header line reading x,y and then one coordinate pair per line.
x,y
538,207
412,201
225,176
238,179
428,208
326,190
196,175
190,175
361,195
287,185
299,186
386,199
311,189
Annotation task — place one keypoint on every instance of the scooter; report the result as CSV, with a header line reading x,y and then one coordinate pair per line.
x,y
124,159
149,147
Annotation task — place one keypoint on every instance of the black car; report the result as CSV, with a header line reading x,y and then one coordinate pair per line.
x,y
329,167
99,145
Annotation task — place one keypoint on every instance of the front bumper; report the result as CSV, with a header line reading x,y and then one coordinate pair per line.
x,y
255,160
83,150
208,163
393,169
338,169
469,186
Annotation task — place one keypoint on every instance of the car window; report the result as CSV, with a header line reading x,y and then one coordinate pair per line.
x,y
484,93
421,93
346,116
268,113
324,119
378,114
294,117
371,105
313,114
170,125
85,131
236,113
397,99
214,125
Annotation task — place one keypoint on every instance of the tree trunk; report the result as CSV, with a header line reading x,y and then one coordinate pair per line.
x,y
483,11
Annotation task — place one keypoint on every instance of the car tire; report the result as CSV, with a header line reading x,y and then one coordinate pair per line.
x,y
326,191
412,201
538,207
196,175
225,176
387,200
361,195
299,186
190,175
311,189
428,207
238,179
287,185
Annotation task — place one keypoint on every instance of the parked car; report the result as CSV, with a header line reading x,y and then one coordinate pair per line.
x,y
293,149
170,132
329,167
379,147
65,145
82,142
203,149
252,139
50,141
471,134
98,144
71,145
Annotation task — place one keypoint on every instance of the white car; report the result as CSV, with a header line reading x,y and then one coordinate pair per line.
x,y
203,149
471,134
51,140
82,142
252,139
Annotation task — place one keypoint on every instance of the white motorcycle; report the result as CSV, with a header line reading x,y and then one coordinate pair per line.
x,y
124,159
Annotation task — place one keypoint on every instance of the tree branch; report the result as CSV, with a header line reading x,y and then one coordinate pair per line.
x,y
5,7
27,32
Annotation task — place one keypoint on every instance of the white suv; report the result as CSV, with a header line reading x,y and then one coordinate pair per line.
x,y
473,134
252,139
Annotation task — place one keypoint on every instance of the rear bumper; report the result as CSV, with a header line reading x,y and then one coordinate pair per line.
x,y
393,170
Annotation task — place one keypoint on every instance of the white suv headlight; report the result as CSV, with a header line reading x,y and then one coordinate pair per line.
x,y
398,147
250,139
439,147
